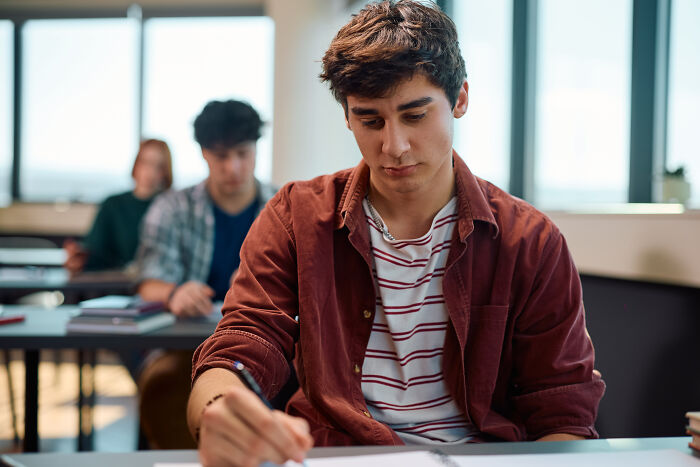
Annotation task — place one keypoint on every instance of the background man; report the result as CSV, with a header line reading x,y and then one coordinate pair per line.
x,y
421,303
189,250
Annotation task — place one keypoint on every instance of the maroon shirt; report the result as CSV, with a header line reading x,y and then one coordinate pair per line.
x,y
517,358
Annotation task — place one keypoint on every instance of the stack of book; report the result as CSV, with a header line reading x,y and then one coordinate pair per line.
x,y
119,314
693,429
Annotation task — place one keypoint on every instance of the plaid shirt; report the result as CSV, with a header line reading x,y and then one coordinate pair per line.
x,y
177,234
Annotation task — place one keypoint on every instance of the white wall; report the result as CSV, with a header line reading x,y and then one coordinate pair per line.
x,y
650,247
309,133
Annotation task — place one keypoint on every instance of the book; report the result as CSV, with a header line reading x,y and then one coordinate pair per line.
x,y
120,324
119,305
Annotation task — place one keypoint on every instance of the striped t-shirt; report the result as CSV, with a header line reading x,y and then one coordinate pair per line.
x,y
402,379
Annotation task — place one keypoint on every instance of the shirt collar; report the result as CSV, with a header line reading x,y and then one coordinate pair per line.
x,y
472,203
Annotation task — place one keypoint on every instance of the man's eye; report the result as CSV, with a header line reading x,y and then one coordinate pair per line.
x,y
415,117
373,123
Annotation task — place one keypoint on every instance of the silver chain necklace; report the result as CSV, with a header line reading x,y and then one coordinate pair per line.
x,y
378,221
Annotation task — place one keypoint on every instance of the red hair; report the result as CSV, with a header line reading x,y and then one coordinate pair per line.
x,y
162,146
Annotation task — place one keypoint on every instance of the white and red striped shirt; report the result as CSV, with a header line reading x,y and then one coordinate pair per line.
x,y
402,378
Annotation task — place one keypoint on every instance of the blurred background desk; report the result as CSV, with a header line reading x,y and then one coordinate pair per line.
x,y
17,282
32,256
45,329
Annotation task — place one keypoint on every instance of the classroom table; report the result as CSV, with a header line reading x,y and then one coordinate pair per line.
x,y
149,458
32,256
45,329
18,281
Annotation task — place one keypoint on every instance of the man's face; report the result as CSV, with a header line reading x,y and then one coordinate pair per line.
x,y
231,169
406,137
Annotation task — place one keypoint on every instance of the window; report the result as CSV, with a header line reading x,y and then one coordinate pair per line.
x,y
582,102
482,136
79,131
189,62
684,94
6,103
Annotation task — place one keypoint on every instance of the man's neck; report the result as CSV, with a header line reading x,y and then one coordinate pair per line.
x,y
410,215
235,203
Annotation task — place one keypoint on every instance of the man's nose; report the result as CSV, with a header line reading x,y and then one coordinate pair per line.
x,y
394,140
233,164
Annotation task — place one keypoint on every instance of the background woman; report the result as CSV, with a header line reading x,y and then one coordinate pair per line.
x,y
113,238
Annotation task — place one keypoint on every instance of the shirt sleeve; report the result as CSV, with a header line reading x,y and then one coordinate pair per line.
x,y
259,326
158,255
557,390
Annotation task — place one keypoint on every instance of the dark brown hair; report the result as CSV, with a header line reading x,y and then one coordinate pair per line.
x,y
162,146
386,43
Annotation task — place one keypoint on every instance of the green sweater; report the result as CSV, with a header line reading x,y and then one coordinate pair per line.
x,y
113,239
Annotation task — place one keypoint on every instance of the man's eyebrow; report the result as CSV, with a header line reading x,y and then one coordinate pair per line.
x,y
363,111
417,103
409,105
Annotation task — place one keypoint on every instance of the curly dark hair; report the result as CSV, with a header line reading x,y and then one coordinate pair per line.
x,y
386,43
226,123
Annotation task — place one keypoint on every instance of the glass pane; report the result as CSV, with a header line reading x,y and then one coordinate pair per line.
x,y
79,130
582,102
189,62
684,94
482,136
6,104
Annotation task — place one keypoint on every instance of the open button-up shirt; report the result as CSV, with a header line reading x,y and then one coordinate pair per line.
x,y
517,357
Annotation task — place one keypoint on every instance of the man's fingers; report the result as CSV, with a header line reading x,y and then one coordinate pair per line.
x,y
265,422
215,450
201,303
300,429
230,430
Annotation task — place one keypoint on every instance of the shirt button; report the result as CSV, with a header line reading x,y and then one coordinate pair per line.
x,y
367,314
357,368
367,414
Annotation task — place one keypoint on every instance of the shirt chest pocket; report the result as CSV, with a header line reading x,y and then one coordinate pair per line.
x,y
482,356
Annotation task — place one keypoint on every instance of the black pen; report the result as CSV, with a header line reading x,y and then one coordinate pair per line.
x,y
250,382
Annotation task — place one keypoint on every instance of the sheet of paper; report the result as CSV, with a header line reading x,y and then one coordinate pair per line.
x,y
401,459
654,458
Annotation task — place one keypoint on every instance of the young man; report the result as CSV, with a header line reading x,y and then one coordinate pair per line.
x,y
190,239
421,304
189,251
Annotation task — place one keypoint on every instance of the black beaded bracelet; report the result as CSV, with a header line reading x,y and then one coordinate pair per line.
x,y
209,402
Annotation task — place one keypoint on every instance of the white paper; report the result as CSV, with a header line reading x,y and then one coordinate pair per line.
x,y
653,458
401,459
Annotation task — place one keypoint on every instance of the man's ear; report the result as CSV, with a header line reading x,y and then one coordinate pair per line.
x,y
462,103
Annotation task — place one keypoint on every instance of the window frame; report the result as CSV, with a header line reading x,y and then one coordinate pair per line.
x,y
19,16
648,88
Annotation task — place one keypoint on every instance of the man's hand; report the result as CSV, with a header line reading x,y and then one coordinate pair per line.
x,y
76,257
191,299
239,430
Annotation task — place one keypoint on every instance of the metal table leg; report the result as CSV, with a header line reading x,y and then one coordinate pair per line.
x,y
31,401
86,399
